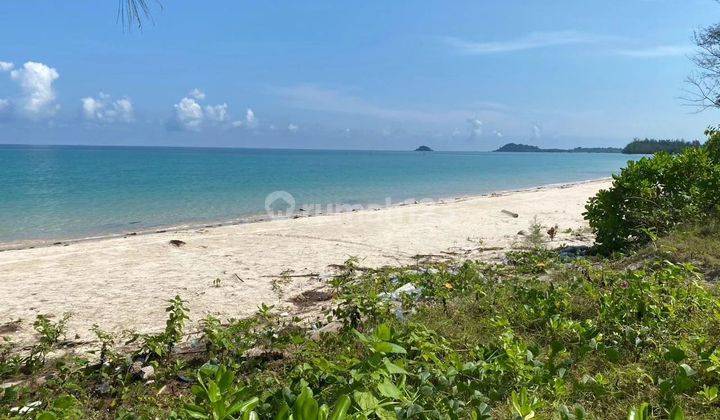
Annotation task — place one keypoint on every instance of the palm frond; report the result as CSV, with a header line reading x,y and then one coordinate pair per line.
x,y
134,12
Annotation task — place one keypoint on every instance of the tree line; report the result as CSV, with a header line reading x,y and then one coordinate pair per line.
x,y
650,146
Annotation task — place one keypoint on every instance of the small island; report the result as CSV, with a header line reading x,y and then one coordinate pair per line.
x,y
515,147
423,149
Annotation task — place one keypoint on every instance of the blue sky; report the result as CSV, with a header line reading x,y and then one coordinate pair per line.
x,y
460,75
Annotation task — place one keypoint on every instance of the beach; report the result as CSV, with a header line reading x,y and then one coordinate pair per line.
x,y
122,283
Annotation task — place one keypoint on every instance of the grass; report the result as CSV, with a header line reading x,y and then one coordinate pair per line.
x,y
541,336
696,243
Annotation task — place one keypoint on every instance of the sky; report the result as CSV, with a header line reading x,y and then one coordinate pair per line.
x,y
454,75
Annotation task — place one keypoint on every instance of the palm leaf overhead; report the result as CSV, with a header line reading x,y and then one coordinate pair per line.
x,y
135,12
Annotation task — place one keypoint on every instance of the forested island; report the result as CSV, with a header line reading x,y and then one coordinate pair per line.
x,y
650,146
637,146
423,149
515,147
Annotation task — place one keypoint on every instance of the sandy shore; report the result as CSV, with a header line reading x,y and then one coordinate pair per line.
x,y
122,283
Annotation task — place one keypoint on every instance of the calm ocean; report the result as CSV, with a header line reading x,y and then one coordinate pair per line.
x,y
52,193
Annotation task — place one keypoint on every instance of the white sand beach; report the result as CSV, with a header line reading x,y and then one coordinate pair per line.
x,y
122,283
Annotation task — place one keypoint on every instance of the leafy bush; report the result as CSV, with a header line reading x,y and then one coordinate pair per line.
x,y
654,194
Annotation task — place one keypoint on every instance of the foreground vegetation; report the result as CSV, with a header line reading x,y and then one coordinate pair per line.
x,y
544,335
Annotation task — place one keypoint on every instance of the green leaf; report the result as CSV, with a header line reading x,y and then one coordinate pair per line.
x,y
481,412
387,347
676,413
612,354
639,413
341,407
687,370
306,408
388,389
675,354
365,400
383,332
64,402
392,368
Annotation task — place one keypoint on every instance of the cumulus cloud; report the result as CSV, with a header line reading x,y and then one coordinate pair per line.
x,y
191,115
250,118
498,134
292,128
217,113
38,94
6,66
250,121
197,94
103,109
476,128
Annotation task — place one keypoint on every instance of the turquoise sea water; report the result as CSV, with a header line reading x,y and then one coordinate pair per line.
x,y
53,193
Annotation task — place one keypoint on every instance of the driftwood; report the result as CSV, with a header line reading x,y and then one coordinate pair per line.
x,y
509,213
177,243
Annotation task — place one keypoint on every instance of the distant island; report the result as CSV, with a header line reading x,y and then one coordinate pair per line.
x,y
515,147
650,146
637,146
423,149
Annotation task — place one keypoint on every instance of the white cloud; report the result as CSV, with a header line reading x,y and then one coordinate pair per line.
x,y
536,131
498,134
250,119
6,66
476,128
197,94
530,41
292,128
189,114
104,110
657,51
217,113
38,95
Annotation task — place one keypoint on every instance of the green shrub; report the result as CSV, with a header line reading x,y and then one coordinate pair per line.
x,y
654,194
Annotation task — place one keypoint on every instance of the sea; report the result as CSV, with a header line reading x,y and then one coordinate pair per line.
x,y
54,193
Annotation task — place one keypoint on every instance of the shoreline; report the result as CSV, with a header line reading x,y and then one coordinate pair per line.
x,y
262,218
123,283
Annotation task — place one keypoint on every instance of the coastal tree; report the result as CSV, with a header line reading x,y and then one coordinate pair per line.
x,y
704,84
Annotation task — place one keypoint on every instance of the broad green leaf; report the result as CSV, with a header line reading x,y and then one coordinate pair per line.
x,y
387,347
676,413
388,389
675,354
392,368
306,408
383,332
341,407
365,400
